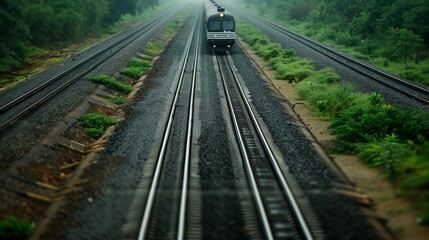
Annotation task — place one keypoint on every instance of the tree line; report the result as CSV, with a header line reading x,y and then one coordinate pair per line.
x,y
26,24
396,29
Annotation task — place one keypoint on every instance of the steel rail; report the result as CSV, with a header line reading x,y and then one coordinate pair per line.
x,y
183,201
255,191
161,156
344,59
274,162
125,42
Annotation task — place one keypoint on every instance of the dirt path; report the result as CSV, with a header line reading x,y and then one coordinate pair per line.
x,y
399,213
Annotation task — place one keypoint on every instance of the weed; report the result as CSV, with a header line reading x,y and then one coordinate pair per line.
x,y
110,83
95,124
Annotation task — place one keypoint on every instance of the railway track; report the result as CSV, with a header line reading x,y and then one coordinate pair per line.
x,y
32,99
166,208
279,213
165,213
413,91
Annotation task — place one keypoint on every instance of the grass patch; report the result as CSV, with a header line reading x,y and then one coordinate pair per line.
x,y
136,68
95,124
132,72
111,83
14,228
118,100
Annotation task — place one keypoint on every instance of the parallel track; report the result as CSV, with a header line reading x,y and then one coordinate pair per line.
x,y
279,213
152,200
75,73
406,88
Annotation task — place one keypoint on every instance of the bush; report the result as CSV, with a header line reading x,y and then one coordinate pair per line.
x,y
417,169
345,39
388,153
270,51
414,76
295,71
364,123
13,228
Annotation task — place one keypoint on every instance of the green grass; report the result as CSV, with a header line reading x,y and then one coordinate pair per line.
x,y
132,72
118,100
12,228
111,83
95,124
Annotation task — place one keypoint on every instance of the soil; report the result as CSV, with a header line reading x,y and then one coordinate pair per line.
x,y
400,213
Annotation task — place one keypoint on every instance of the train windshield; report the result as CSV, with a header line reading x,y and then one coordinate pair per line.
x,y
214,26
228,25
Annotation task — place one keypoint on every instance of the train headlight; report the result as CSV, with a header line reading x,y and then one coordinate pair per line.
x,y
221,14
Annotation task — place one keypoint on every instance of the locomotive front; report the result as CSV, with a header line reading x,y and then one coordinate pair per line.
x,y
220,27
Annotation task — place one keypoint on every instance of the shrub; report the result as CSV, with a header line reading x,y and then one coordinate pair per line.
x,y
414,76
417,170
13,228
295,71
345,39
270,51
364,123
95,124
289,53
388,153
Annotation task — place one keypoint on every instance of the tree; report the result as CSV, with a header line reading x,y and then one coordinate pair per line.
x,y
14,35
405,44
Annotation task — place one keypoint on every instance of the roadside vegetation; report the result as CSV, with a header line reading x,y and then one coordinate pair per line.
x,y
391,138
393,35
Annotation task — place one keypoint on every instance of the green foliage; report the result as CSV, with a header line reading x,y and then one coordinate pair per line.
x,y
405,44
414,76
110,83
364,123
417,170
295,71
13,37
95,124
12,228
50,24
403,162
388,153
327,98
397,30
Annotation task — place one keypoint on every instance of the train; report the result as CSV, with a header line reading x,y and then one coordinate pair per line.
x,y
220,26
